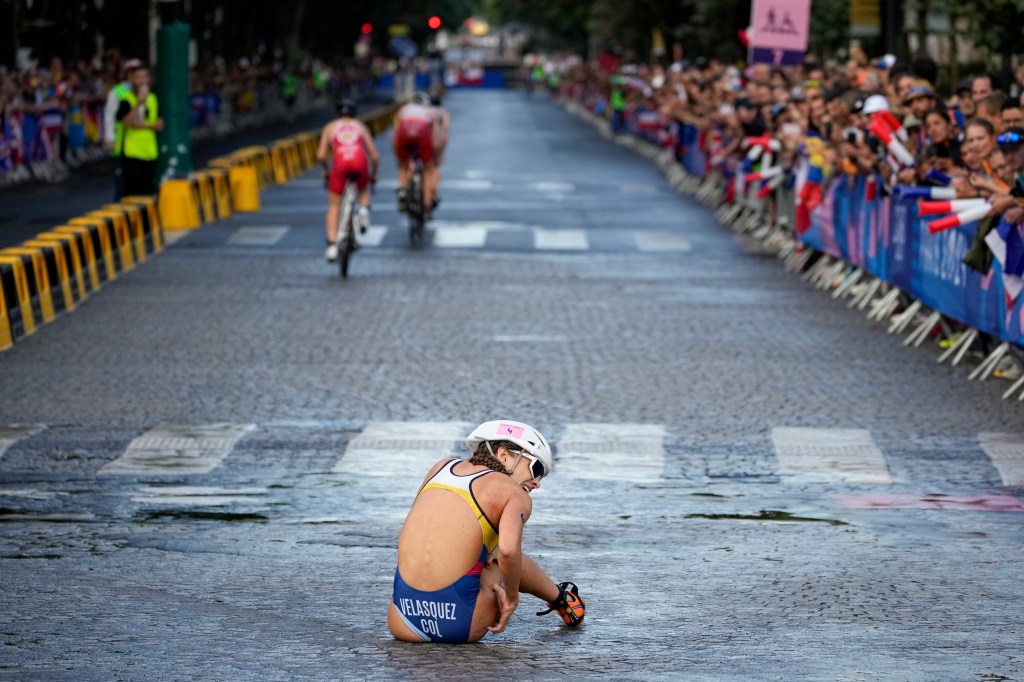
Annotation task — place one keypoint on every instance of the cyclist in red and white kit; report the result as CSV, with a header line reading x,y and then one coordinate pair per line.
x,y
416,127
352,153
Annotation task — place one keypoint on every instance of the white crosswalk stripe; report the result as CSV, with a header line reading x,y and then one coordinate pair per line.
x,y
178,449
623,452
1006,450
396,448
264,235
446,234
560,240
9,435
629,452
848,455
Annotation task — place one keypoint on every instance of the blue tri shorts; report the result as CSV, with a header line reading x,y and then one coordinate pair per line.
x,y
444,615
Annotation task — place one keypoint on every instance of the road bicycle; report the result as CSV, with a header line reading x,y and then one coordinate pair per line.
x,y
347,217
414,205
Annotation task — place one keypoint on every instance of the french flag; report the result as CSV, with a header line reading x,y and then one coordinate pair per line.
x,y
1008,248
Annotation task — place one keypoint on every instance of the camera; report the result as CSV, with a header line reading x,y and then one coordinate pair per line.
x,y
853,135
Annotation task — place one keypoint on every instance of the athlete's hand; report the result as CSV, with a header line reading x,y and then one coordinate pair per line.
x,y
506,606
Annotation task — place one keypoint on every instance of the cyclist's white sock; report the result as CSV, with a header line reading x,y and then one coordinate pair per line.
x,y
364,216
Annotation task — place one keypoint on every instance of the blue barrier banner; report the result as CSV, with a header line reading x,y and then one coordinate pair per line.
x,y
693,158
886,237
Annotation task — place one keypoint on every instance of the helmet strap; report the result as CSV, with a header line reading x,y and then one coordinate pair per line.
x,y
495,456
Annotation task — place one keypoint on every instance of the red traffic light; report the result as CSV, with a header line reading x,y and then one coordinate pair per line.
x,y
367,29
434,22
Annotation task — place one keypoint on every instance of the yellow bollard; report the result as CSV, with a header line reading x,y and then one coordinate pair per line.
x,y
59,271
40,297
96,252
245,189
73,246
221,191
178,205
154,236
202,183
11,326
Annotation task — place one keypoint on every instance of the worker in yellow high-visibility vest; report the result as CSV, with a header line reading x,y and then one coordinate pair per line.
x,y
138,149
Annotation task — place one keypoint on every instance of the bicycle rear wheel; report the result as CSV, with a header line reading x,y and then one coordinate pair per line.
x,y
344,251
346,235
415,203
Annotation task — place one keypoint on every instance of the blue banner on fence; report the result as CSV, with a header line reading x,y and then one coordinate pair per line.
x,y
693,158
886,237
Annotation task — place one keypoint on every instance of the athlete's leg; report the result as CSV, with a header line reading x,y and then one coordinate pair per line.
x,y
399,630
535,581
364,205
429,178
333,208
485,613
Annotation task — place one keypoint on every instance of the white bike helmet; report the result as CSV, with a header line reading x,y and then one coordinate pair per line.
x,y
523,435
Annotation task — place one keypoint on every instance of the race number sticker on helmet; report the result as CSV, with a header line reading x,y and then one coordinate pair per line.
x,y
510,430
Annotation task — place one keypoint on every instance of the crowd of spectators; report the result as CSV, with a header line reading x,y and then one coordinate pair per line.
x,y
52,115
969,137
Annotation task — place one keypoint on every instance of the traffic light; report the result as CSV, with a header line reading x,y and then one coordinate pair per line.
x,y
434,22
367,29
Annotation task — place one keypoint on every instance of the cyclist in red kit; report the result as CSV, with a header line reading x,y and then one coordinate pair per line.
x,y
416,127
353,155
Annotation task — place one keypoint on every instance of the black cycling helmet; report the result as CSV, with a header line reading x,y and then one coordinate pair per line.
x,y
435,99
345,107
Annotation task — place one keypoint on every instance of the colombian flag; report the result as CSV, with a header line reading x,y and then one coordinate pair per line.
x,y
810,190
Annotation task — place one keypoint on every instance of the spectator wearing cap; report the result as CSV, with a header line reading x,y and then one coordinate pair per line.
x,y
918,101
1011,142
1010,203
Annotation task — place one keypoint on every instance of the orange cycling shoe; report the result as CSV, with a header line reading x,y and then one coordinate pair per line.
x,y
568,605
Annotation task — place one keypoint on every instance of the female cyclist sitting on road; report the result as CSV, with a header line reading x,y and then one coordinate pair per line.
x,y
461,565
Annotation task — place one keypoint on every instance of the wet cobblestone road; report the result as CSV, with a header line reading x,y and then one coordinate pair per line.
x,y
203,469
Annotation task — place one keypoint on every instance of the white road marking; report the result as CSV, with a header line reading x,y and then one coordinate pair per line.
x,y
617,452
530,338
558,187
403,448
178,449
1006,450
460,237
9,435
661,240
196,496
373,237
560,239
258,236
848,455
29,493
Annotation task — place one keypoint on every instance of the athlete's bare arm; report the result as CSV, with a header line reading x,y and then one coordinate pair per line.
x,y
510,555
371,148
325,144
